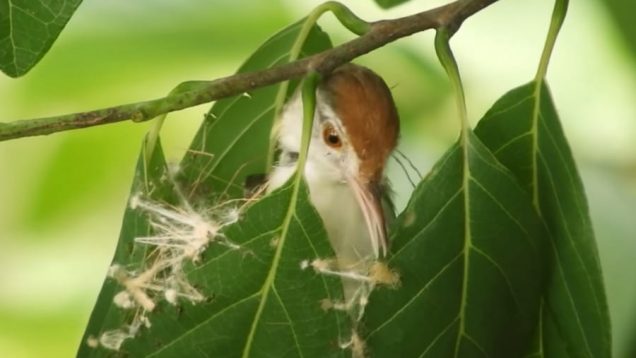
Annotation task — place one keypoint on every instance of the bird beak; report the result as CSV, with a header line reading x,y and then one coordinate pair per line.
x,y
369,196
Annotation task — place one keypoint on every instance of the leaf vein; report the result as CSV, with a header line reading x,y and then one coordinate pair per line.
x,y
230,250
206,321
291,323
509,108
439,335
558,260
474,342
580,212
239,136
502,272
508,214
322,277
511,142
417,295
427,225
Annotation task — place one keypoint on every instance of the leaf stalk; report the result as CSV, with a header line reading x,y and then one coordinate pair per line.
x,y
447,59
558,16
348,19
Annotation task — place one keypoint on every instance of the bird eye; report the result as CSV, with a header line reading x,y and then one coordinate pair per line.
x,y
331,137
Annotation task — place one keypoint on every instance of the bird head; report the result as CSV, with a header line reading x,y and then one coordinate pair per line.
x,y
355,130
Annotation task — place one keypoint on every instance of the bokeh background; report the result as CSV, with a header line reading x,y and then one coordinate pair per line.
x,y
62,197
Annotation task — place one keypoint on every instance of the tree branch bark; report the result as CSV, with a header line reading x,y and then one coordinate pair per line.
x,y
449,16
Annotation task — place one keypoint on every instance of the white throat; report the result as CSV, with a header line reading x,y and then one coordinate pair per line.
x,y
329,191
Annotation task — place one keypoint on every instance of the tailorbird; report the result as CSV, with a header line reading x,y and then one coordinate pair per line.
x,y
354,131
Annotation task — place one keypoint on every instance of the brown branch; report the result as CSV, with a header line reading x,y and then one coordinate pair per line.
x,y
449,16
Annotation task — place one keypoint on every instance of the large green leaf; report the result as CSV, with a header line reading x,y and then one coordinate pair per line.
x,y
28,29
233,141
469,250
260,300
523,130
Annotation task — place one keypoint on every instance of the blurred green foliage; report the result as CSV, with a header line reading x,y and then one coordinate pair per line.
x,y
62,197
622,13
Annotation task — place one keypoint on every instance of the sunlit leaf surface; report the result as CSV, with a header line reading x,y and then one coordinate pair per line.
x,y
523,130
469,251
28,28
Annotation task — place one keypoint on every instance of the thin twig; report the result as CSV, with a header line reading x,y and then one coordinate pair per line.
x,y
449,16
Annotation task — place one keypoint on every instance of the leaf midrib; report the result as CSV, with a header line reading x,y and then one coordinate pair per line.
x,y
534,129
467,238
271,275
